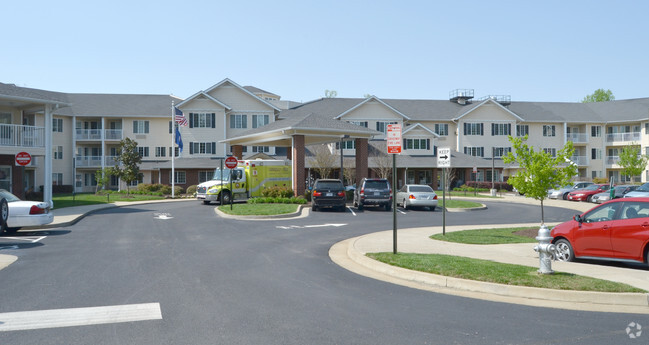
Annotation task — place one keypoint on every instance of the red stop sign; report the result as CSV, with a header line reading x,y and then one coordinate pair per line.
x,y
231,162
23,158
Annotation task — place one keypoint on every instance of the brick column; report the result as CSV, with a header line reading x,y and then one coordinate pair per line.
x,y
361,159
237,151
299,176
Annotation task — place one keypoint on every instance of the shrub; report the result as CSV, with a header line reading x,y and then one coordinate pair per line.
x,y
66,188
192,189
277,191
599,180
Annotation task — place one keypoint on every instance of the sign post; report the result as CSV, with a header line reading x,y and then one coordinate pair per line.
x,y
230,163
394,147
444,162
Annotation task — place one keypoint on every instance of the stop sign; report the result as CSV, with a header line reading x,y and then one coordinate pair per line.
x,y
231,162
23,158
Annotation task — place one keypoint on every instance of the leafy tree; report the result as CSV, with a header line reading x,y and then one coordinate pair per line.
x,y
126,163
632,162
331,93
102,177
600,95
538,171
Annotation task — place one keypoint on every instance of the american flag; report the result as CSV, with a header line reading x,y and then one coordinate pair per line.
x,y
181,120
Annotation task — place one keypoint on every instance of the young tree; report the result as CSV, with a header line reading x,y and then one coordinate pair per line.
x,y
600,95
126,163
349,172
102,177
323,161
538,171
383,162
632,162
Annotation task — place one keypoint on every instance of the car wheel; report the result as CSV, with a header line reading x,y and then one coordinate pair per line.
x,y
225,197
405,204
564,251
589,198
432,208
360,206
12,230
342,208
206,202
565,196
314,208
4,214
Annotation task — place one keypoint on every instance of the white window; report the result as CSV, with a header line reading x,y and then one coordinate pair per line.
x,y
259,120
501,129
180,177
382,126
260,149
596,131
143,151
57,125
551,151
198,148
140,126
205,175
58,152
549,131
417,144
57,179
238,121
441,129
473,129
160,151
522,130
202,120
347,144
359,123
596,154
500,152
474,151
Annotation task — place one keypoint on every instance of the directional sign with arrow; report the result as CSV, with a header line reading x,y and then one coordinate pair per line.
x,y
443,157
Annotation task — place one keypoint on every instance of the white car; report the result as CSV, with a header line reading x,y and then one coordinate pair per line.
x,y
562,192
416,195
23,213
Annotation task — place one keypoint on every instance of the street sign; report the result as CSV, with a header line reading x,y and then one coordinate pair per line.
x,y
23,158
394,138
443,157
231,162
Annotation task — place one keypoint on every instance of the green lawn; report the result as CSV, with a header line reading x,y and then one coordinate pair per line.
x,y
258,209
458,203
489,271
485,236
68,200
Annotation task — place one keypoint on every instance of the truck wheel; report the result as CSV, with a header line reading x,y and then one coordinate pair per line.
x,y
225,197
206,202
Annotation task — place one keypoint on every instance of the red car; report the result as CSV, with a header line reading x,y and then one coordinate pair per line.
x,y
616,230
586,194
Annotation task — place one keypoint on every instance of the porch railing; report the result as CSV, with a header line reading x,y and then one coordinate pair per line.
x,y
22,136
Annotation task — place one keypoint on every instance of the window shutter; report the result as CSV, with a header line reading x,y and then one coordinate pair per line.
x,y
170,122
191,148
427,144
134,126
593,154
434,151
482,129
191,120
509,129
213,120
493,129
465,128
404,145
213,147
146,126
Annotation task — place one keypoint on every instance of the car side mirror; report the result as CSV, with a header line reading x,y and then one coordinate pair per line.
x,y
578,218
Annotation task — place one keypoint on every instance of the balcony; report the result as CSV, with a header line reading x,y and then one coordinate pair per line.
x,y
113,134
94,161
612,160
22,136
623,137
580,160
578,138
88,134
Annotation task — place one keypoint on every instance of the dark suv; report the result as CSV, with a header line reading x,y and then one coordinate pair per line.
x,y
373,191
328,193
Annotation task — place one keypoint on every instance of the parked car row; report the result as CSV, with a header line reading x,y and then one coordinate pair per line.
x,y
597,193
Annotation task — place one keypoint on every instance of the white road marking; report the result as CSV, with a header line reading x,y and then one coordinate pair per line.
x,y
398,210
163,216
308,226
31,239
54,318
352,211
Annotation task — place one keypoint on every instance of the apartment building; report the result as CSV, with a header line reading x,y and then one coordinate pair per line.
x,y
84,131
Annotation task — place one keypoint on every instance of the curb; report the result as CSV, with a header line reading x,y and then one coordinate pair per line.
x,y
302,211
563,299
483,207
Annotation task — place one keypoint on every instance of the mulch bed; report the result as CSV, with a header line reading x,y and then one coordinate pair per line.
x,y
531,232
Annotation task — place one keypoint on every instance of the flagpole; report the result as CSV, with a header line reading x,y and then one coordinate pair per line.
x,y
173,151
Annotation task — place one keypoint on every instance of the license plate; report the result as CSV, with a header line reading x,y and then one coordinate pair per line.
x,y
329,194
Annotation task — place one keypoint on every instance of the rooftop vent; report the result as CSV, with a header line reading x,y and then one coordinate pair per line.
x,y
502,99
460,96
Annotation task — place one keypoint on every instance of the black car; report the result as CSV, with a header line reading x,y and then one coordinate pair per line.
x,y
328,193
374,192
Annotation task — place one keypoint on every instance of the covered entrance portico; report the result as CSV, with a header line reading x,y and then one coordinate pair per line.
x,y
297,133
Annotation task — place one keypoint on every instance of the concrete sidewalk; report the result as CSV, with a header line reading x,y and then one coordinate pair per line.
x,y
350,254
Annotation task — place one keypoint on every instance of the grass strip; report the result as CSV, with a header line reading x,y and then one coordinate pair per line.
x,y
258,209
69,200
494,272
486,236
458,203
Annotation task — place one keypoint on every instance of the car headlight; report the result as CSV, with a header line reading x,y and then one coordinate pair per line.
x,y
213,190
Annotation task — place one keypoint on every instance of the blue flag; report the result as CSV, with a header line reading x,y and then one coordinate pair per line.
x,y
179,140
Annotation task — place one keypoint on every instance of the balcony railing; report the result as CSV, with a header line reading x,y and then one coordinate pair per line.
x,y
110,161
88,134
611,160
88,161
578,137
113,134
579,160
630,136
22,136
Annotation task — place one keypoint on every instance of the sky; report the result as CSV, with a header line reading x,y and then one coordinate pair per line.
x,y
554,51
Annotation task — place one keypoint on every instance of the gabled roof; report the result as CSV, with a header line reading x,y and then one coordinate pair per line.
x,y
254,89
416,125
204,94
470,110
94,104
368,100
228,81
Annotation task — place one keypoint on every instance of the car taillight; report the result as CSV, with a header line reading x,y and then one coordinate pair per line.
x,y
411,197
362,191
316,193
341,193
435,198
36,210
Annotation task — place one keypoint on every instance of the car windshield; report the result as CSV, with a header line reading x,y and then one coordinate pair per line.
x,y
420,189
376,185
223,175
593,187
328,185
10,197
643,188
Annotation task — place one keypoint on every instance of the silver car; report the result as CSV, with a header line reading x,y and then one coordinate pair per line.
x,y
640,192
417,195
562,193
620,192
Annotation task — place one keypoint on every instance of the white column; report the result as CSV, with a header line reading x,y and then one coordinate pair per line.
x,y
47,184
74,153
